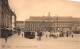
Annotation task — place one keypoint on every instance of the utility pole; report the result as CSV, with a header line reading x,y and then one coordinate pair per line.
x,y
57,23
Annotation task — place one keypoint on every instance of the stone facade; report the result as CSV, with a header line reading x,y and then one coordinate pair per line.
x,y
51,23
6,16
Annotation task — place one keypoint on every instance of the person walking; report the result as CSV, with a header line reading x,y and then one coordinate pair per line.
x,y
37,35
72,35
6,39
67,34
22,34
6,35
39,38
46,35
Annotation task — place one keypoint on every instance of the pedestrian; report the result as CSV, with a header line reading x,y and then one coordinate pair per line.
x,y
22,34
72,35
46,35
5,39
67,34
62,34
37,36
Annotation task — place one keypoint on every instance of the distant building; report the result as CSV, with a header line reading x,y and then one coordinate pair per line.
x,y
7,17
51,23
20,25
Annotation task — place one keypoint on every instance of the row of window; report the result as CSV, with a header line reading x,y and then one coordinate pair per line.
x,y
44,29
48,24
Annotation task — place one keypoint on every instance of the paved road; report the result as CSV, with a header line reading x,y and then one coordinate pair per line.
x,y
19,42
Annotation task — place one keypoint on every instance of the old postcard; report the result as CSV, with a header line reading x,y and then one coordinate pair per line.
x,y
39,24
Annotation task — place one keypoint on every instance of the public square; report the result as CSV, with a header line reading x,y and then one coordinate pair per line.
x,y
20,42
20,19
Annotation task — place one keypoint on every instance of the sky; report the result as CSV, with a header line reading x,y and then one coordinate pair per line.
x,y
75,0
26,8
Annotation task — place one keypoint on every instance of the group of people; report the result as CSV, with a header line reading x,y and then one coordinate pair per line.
x,y
59,34
39,34
67,34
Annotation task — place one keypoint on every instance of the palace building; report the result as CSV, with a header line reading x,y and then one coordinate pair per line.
x,y
51,23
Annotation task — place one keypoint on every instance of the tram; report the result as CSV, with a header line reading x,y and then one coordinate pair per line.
x,y
30,35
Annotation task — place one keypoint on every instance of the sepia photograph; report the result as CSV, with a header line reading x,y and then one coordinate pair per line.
x,y
39,24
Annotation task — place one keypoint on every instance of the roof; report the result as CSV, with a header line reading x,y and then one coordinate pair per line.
x,y
60,18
